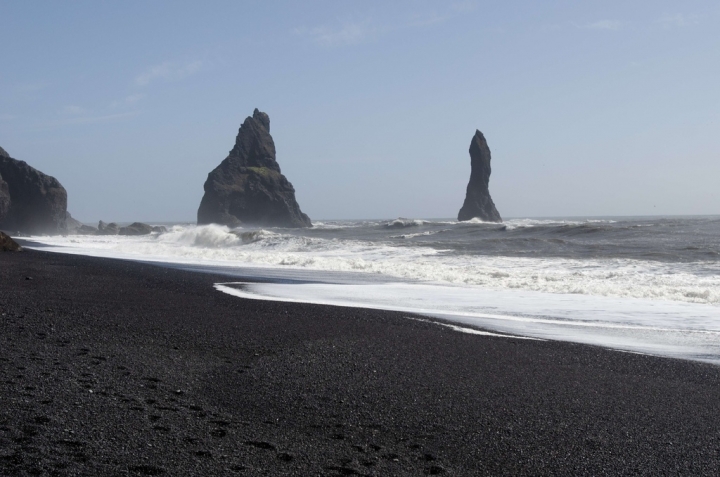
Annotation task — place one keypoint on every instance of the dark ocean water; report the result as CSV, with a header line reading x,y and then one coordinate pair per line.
x,y
670,239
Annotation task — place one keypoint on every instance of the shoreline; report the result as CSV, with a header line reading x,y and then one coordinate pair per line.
x,y
112,367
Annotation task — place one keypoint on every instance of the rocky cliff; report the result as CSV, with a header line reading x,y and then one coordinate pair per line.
x,y
30,202
4,192
7,244
248,187
478,203
4,199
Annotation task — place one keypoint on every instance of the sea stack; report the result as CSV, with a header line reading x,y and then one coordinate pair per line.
x,y
478,203
30,202
248,187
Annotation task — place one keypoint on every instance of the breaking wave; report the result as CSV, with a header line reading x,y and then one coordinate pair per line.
x,y
696,282
400,223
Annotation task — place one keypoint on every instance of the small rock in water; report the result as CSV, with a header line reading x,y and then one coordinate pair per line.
x,y
86,230
136,228
108,229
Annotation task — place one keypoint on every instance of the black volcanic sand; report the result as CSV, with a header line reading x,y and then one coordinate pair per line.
x,y
120,368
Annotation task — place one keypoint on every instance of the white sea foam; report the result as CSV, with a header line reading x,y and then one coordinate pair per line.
x,y
402,222
342,224
531,223
476,220
219,246
681,330
473,331
419,234
211,236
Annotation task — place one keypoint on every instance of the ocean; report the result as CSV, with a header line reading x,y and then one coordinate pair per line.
x,y
646,285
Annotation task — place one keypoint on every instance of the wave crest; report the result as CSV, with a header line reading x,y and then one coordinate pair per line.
x,y
211,236
690,281
402,222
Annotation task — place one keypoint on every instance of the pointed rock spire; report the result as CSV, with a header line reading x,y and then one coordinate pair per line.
x,y
478,203
248,187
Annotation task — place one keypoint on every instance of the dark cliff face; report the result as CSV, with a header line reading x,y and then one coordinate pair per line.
x,y
4,192
248,187
7,244
478,202
30,201
4,199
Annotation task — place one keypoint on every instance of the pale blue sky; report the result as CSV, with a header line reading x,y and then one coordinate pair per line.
x,y
590,108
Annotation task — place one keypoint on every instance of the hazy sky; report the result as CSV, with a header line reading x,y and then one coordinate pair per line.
x,y
590,108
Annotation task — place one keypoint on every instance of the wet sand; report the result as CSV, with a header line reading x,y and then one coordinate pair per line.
x,y
110,367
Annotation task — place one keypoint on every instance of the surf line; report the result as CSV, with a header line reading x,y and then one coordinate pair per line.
x,y
223,287
473,331
440,314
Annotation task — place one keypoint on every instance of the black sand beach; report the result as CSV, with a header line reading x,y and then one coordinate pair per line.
x,y
119,368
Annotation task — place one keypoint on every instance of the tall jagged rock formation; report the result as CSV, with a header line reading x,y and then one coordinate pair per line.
x,y
30,201
248,187
478,203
